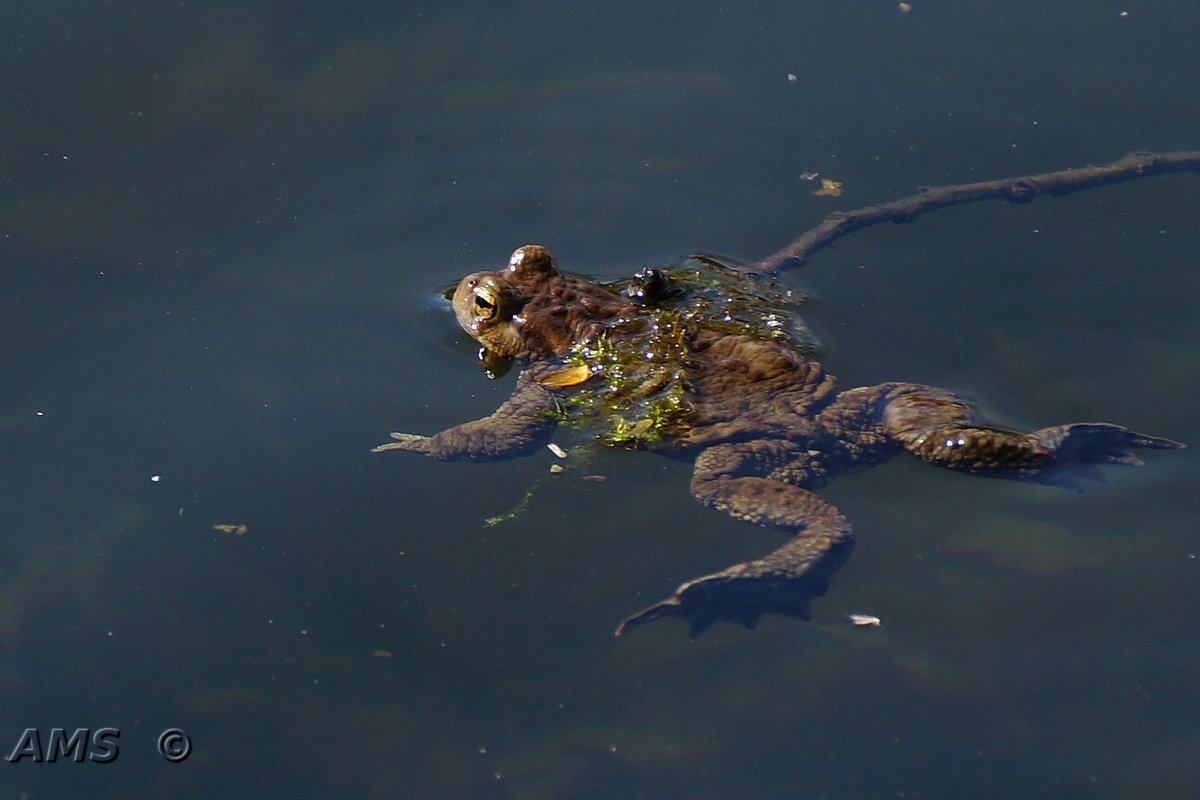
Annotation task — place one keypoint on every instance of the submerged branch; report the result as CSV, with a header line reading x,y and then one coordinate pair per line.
x,y
1017,190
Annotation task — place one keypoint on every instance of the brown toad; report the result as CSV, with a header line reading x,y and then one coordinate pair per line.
x,y
763,423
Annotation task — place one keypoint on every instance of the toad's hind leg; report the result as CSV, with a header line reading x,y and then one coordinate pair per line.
x,y
782,582
935,425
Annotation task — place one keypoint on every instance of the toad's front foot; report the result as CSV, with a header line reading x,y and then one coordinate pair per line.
x,y
409,442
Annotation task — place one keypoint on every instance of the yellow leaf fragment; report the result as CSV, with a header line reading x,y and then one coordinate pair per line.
x,y
905,8
237,530
829,188
570,376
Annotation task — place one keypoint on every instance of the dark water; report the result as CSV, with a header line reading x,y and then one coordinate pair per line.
x,y
223,228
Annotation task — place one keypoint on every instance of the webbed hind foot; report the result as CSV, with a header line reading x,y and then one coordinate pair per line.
x,y
1073,449
781,582
742,593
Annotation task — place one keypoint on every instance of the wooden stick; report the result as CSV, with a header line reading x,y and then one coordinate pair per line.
x,y
1017,190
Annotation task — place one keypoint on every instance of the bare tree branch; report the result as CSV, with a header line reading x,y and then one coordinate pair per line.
x,y
1017,190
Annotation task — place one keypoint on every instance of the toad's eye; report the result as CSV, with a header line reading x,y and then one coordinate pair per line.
x,y
485,304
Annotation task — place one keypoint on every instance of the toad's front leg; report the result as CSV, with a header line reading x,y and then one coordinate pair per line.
x,y
781,582
521,425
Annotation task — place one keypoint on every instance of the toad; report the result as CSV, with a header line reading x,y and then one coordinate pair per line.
x,y
763,423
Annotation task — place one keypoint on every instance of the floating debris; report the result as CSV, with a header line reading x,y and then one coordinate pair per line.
x,y
571,376
556,468
516,510
829,188
237,530
864,620
382,653
905,8
558,451
809,176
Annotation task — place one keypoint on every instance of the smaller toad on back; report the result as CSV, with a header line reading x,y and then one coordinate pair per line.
x,y
764,425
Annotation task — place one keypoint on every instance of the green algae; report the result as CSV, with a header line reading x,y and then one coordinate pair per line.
x,y
638,393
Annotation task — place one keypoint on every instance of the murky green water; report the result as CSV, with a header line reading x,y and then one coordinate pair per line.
x,y
223,230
